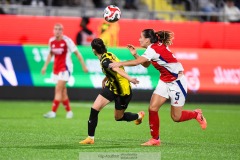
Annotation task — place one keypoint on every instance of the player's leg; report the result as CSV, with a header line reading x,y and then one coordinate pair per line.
x,y
58,93
118,114
101,101
66,103
158,98
180,115
121,104
178,92
121,115
154,121
57,99
98,104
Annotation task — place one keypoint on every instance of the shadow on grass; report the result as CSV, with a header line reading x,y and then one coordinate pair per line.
x,y
75,146
99,144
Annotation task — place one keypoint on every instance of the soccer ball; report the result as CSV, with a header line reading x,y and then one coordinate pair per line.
x,y
112,13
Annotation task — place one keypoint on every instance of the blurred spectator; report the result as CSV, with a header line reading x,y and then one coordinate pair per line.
x,y
176,1
207,6
185,3
231,12
38,3
1,11
26,2
129,4
109,33
237,3
35,2
85,35
98,3
57,3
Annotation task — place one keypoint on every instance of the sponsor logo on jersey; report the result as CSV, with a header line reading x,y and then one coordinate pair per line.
x,y
57,50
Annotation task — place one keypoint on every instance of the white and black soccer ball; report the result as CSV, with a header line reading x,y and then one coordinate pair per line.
x,y
112,13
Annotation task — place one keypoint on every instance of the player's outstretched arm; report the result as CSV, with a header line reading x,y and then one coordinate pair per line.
x,y
44,68
134,62
133,51
125,75
80,58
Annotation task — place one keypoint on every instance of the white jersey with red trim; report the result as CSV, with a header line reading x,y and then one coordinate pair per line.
x,y
164,61
62,49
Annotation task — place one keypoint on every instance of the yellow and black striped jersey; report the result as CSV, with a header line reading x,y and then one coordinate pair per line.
x,y
116,83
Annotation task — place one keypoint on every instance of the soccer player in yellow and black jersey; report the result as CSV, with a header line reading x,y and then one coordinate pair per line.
x,y
116,86
116,83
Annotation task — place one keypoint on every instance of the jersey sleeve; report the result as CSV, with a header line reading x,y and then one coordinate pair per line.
x,y
149,54
71,46
105,62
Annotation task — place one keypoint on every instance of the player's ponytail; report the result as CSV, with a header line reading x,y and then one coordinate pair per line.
x,y
98,45
165,37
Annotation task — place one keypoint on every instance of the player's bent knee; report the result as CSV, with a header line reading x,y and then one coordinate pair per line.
x,y
118,118
153,108
175,118
59,89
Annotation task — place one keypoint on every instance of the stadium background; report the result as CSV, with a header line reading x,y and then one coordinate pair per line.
x,y
209,52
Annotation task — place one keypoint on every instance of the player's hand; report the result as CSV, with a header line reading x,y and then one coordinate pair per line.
x,y
43,71
103,84
134,81
132,49
85,69
115,64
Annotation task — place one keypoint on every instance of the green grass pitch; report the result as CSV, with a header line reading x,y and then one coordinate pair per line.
x,y
25,134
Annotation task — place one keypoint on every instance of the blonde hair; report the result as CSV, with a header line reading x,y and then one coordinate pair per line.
x,y
59,24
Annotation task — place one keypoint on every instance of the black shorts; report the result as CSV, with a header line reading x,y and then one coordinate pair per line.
x,y
121,102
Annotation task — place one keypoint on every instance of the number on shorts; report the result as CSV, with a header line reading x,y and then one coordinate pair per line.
x,y
177,95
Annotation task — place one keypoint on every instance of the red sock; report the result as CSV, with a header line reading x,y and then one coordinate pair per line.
x,y
187,115
55,105
67,105
154,124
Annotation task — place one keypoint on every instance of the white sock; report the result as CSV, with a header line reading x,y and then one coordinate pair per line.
x,y
92,137
139,116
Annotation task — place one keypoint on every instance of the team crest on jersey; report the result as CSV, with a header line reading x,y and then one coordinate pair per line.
x,y
62,45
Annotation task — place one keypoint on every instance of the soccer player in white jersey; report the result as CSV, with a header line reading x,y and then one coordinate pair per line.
x,y
61,47
172,83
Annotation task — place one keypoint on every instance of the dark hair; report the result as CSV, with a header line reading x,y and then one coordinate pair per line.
x,y
149,33
98,45
162,36
85,19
